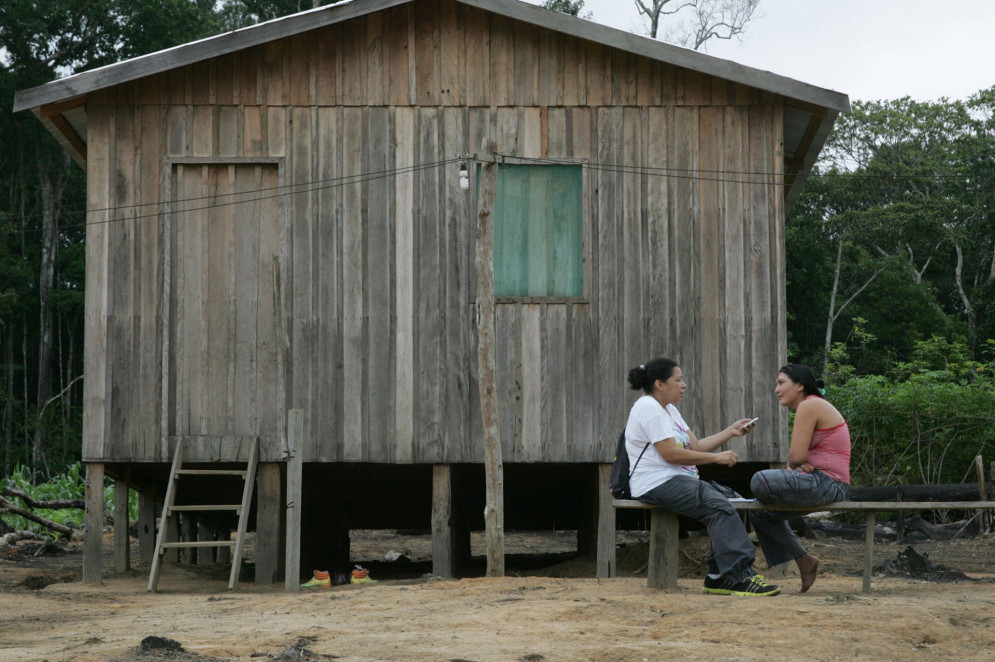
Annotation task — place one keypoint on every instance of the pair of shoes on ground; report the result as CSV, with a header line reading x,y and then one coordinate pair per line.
x,y
323,579
752,587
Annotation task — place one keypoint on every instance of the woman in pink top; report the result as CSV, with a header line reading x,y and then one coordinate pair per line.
x,y
818,470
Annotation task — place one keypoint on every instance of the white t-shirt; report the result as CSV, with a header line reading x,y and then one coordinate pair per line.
x,y
650,422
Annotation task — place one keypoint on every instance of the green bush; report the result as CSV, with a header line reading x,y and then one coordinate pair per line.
x,y
924,422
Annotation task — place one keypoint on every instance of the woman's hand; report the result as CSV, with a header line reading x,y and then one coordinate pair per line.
x,y
727,458
741,427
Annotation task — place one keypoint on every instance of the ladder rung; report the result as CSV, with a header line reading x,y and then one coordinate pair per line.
x,y
211,472
231,506
199,543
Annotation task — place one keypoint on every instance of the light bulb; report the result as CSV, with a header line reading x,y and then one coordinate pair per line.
x,y
464,176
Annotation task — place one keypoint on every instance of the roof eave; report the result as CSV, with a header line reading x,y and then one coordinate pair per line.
x,y
229,42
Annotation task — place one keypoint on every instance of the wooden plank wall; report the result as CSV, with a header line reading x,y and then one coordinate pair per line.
x,y
372,325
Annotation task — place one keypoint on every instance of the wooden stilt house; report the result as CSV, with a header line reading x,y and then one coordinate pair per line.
x,y
280,260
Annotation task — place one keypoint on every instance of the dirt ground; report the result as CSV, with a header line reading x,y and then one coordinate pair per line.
x,y
555,613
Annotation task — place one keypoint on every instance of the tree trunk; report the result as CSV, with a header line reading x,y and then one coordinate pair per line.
x,y
832,308
972,316
51,194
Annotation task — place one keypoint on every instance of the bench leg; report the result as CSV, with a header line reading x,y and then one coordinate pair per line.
x,y
662,568
869,549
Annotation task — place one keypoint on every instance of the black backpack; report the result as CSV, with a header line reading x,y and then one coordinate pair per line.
x,y
618,481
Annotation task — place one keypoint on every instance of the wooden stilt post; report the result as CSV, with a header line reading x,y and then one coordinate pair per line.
x,y
606,525
122,546
443,539
146,524
93,529
267,522
486,360
295,482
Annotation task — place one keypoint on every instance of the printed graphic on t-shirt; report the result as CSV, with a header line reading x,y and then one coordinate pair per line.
x,y
683,437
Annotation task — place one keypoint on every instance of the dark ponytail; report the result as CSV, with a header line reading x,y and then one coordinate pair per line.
x,y
643,377
802,374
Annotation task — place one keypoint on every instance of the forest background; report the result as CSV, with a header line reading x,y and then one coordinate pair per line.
x,y
890,273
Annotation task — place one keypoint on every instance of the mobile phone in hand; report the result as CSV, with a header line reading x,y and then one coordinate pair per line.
x,y
751,422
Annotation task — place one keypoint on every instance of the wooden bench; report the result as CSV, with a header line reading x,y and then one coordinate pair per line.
x,y
662,568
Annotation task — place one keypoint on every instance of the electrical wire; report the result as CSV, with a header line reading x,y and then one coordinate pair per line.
x,y
744,177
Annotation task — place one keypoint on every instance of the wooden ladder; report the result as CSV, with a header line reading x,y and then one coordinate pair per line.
x,y
176,472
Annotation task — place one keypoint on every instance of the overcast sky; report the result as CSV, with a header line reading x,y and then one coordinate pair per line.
x,y
867,49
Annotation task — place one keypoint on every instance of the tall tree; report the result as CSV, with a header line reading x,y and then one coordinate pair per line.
x,y
692,23
904,196
571,7
44,194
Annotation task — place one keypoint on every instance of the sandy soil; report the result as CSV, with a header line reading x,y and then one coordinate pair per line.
x,y
559,613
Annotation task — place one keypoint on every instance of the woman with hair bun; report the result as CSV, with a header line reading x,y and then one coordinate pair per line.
x,y
818,469
667,475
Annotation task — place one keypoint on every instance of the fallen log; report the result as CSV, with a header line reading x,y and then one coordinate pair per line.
x,y
8,507
10,538
54,504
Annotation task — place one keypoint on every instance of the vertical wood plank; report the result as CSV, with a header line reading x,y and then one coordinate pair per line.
x,y
452,54
352,287
632,256
609,262
379,369
302,233
532,385
733,255
556,379
478,58
429,290
426,54
327,66
301,48
660,248
456,255
374,57
550,68
269,377
502,61
525,54
327,420
710,276
275,71
404,258
399,52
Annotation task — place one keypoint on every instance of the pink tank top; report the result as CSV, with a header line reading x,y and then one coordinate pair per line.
x,y
829,452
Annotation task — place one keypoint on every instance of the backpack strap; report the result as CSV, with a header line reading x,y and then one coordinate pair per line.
x,y
637,460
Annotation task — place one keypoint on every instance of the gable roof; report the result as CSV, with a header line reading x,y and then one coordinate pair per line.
x,y
807,122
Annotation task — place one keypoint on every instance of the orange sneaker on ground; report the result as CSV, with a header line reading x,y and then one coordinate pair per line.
x,y
361,575
321,579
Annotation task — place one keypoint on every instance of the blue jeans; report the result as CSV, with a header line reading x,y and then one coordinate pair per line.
x,y
785,487
730,552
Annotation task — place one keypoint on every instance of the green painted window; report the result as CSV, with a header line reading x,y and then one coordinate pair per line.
x,y
538,231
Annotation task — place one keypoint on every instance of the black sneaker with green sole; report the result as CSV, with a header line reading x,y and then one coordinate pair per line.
x,y
752,587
